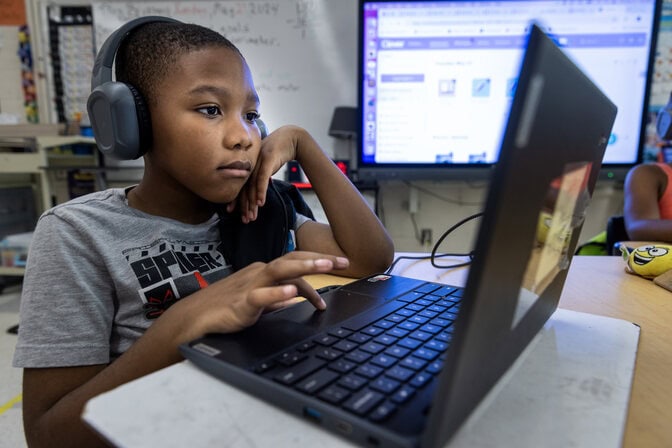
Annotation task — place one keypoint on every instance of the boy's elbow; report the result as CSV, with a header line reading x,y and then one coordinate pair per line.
x,y
378,260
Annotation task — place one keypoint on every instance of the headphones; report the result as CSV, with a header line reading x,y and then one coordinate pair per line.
x,y
118,113
664,121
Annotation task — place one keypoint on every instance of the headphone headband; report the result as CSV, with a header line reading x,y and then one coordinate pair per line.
x,y
102,67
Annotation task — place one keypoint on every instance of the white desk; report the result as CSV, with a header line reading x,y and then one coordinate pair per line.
x,y
570,388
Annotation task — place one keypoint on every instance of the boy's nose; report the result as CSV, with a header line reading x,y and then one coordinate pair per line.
x,y
238,135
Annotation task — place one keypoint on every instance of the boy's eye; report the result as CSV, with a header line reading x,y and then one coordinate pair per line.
x,y
209,110
252,116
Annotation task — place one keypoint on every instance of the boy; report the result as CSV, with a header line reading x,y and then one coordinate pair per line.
x,y
117,280
648,202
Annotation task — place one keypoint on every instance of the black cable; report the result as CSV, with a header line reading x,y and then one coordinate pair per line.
x,y
445,234
434,255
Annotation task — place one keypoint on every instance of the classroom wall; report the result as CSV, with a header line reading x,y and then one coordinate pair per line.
x,y
444,204
440,204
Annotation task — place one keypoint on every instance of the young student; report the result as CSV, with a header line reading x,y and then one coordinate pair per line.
x,y
117,280
648,202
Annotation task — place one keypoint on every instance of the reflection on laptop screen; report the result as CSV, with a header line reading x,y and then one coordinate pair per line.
x,y
438,76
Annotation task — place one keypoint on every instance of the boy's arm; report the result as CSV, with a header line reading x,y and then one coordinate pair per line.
x,y
53,398
354,231
643,187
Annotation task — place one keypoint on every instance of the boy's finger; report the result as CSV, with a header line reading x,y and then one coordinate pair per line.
x,y
269,296
307,291
282,270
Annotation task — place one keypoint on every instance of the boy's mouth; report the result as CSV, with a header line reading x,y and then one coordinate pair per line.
x,y
239,168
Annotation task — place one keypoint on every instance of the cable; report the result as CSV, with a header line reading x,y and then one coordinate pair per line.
x,y
434,255
445,234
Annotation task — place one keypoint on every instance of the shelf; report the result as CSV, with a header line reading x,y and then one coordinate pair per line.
x,y
21,162
63,140
13,271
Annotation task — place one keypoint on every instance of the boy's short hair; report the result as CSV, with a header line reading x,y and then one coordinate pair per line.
x,y
147,55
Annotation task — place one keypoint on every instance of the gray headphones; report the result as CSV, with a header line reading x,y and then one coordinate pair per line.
x,y
118,113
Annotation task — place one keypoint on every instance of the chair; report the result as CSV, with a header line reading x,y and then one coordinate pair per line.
x,y
616,233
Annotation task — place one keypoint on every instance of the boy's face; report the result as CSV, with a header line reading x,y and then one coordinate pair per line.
x,y
204,132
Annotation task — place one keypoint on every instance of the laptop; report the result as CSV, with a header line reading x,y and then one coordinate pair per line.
x,y
401,362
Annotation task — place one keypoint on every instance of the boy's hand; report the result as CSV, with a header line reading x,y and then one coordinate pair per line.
x,y
237,301
276,150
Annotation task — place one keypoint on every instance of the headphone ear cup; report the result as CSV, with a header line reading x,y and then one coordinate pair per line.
x,y
144,120
113,113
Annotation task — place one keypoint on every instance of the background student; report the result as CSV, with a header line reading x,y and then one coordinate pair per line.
x,y
648,202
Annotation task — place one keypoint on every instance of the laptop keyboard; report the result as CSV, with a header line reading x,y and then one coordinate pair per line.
x,y
372,364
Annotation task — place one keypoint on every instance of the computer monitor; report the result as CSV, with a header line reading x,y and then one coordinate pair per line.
x,y
436,78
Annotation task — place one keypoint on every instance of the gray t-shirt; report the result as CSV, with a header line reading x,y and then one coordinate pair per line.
x,y
99,272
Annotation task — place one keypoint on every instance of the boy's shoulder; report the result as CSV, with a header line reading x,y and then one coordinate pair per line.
x,y
99,201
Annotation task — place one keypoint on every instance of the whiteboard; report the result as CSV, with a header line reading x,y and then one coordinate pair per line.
x,y
302,53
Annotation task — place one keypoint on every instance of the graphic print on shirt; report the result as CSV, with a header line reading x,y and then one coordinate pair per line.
x,y
170,270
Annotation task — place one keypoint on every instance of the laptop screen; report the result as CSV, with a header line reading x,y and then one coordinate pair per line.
x,y
438,77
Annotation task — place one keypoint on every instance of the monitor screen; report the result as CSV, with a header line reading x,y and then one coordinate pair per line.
x,y
437,77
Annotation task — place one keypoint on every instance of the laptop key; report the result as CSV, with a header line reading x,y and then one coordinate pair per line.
x,y
290,358
428,287
317,381
385,385
435,367
404,313
352,382
357,356
373,347
403,394
359,338
326,340
384,360
420,379
363,401
264,366
431,328
444,337
382,411
413,363
304,347
328,353
398,332
436,345
373,331
384,324
340,332
397,352
333,394
410,343
444,291
411,296
421,335
342,366
443,323
298,371
365,319
423,302
345,346
368,370
399,373
426,354
386,339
